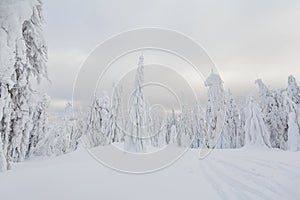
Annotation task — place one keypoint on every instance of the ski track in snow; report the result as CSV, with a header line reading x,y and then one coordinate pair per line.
x,y
228,177
251,178
225,174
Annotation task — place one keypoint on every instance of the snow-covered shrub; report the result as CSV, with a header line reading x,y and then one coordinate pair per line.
x,y
62,136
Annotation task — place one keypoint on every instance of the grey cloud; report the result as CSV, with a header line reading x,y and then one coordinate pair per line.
x,y
246,39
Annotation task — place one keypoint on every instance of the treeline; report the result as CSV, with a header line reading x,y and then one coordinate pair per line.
x,y
272,121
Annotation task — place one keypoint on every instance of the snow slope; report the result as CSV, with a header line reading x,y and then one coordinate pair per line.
x,y
225,174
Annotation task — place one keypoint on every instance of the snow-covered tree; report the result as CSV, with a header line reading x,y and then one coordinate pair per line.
x,y
281,116
232,120
5,106
292,103
117,124
70,130
106,123
158,129
23,58
170,128
242,121
57,141
185,134
274,114
229,136
99,122
40,125
293,143
198,125
139,114
293,90
256,133
62,136
3,160
215,109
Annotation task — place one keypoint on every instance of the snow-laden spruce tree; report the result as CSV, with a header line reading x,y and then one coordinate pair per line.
x,y
70,131
198,125
170,127
185,134
293,143
293,90
40,125
5,102
23,58
139,115
256,133
274,114
3,161
215,108
106,123
229,137
158,129
99,122
242,121
232,120
292,102
117,122
281,116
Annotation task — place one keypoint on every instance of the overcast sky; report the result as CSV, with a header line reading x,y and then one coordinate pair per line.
x,y
246,39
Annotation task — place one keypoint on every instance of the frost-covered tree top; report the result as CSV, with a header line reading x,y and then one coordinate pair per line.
x,y
215,89
21,36
264,92
293,90
139,79
213,80
12,15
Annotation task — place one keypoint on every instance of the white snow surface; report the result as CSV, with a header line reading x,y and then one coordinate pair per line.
x,y
246,173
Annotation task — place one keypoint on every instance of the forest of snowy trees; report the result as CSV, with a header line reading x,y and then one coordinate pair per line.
x,y
271,121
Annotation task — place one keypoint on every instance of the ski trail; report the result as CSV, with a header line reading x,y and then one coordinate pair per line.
x,y
242,188
211,179
244,175
266,183
275,169
277,164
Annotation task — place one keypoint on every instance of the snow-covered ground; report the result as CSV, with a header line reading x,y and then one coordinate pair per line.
x,y
224,174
